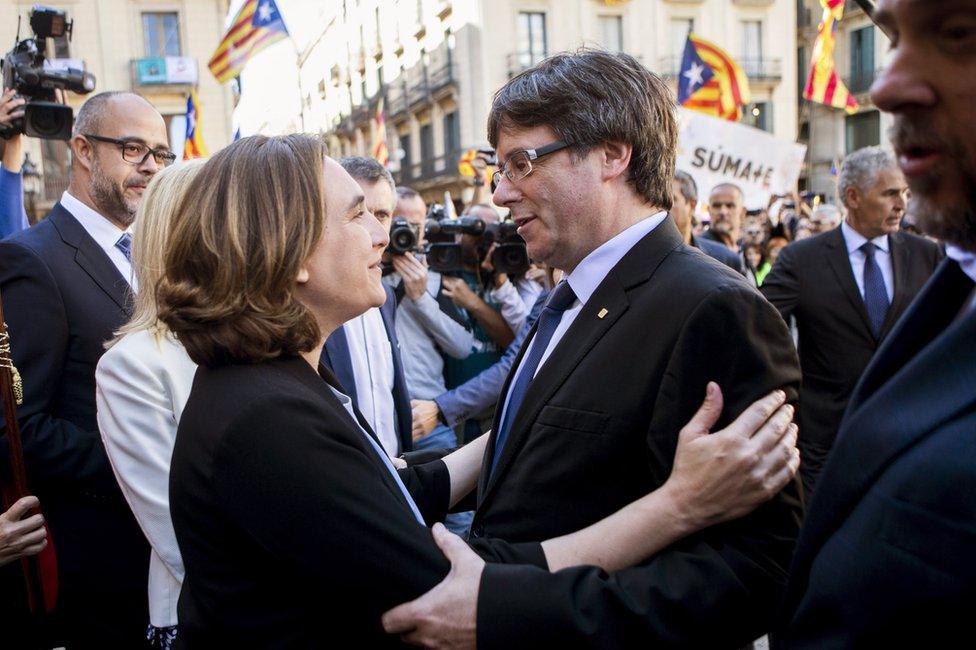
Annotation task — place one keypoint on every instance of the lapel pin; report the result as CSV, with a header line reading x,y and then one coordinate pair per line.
x,y
603,312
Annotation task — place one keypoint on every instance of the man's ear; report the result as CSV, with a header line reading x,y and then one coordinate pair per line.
x,y
853,198
82,151
616,159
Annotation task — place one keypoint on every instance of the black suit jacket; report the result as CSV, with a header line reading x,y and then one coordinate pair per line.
x,y
63,298
293,531
719,251
886,558
598,428
336,356
812,281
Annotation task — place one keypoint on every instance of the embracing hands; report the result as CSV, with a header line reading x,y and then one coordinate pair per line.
x,y
724,475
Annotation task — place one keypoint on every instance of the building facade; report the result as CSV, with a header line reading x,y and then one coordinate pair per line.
x,y
830,133
157,48
435,65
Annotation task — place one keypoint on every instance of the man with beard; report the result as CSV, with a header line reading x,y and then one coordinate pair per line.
x,y
886,558
66,285
847,287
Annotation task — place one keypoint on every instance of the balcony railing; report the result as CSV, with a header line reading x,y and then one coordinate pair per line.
x,y
860,81
669,67
442,77
427,172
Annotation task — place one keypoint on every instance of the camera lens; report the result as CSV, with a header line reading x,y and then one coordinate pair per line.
x,y
48,120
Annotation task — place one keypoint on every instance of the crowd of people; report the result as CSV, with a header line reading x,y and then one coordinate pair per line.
x,y
251,422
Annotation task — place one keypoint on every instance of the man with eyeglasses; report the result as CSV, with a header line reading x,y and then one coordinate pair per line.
x,y
67,285
622,352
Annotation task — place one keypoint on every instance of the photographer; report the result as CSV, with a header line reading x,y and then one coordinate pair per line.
x,y
13,218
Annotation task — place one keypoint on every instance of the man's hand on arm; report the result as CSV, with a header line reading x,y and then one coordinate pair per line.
x,y
414,274
446,616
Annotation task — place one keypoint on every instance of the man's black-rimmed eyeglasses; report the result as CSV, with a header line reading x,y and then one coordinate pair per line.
x,y
519,163
136,152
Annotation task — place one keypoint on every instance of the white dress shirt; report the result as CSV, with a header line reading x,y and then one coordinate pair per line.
x,y
104,232
141,386
372,368
967,262
882,256
585,279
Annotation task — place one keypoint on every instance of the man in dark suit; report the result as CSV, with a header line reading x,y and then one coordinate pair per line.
x,y
589,416
684,197
846,300
66,285
886,556
364,353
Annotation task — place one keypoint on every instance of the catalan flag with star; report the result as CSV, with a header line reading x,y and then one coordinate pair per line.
x,y
823,84
193,146
257,25
710,81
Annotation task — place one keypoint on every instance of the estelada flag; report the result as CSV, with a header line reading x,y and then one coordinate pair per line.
x,y
193,146
380,151
823,84
257,25
710,81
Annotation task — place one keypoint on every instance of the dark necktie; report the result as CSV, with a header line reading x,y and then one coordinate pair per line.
x,y
562,298
875,296
125,245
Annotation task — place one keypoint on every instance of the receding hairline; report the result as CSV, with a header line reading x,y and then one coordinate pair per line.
x,y
91,113
727,186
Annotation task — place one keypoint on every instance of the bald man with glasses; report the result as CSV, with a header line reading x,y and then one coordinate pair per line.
x,y
67,285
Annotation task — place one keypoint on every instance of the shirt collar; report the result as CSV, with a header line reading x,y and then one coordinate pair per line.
x,y
855,240
104,232
588,275
965,259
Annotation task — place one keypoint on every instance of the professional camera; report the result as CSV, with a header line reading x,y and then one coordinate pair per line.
x,y
403,237
25,71
510,255
443,249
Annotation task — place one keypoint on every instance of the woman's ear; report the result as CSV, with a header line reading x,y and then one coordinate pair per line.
x,y
302,276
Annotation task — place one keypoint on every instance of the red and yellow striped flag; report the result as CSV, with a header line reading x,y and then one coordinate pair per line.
x,y
380,151
256,26
728,88
823,84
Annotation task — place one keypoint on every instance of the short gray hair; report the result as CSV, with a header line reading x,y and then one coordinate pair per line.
x,y
367,170
404,192
89,117
687,185
860,170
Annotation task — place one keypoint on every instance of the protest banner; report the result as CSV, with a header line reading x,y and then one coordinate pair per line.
x,y
717,151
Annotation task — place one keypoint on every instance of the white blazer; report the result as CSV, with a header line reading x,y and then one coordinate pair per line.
x,y
142,384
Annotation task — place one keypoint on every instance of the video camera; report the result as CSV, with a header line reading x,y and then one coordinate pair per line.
x,y
443,248
403,237
510,255
24,70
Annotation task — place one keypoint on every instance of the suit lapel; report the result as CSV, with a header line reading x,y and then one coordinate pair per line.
x,y
91,258
890,410
636,267
900,265
401,400
340,362
840,263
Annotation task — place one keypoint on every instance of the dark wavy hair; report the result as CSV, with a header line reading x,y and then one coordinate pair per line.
x,y
590,97
247,223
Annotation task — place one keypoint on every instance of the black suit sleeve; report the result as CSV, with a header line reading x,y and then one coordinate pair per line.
x,y
781,286
430,486
316,500
55,450
718,588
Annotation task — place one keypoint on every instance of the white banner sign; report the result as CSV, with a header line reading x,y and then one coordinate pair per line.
x,y
181,70
717,151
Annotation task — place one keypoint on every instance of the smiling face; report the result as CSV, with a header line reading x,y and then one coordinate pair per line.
x,y
341,278
556,205
927,85
114,185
